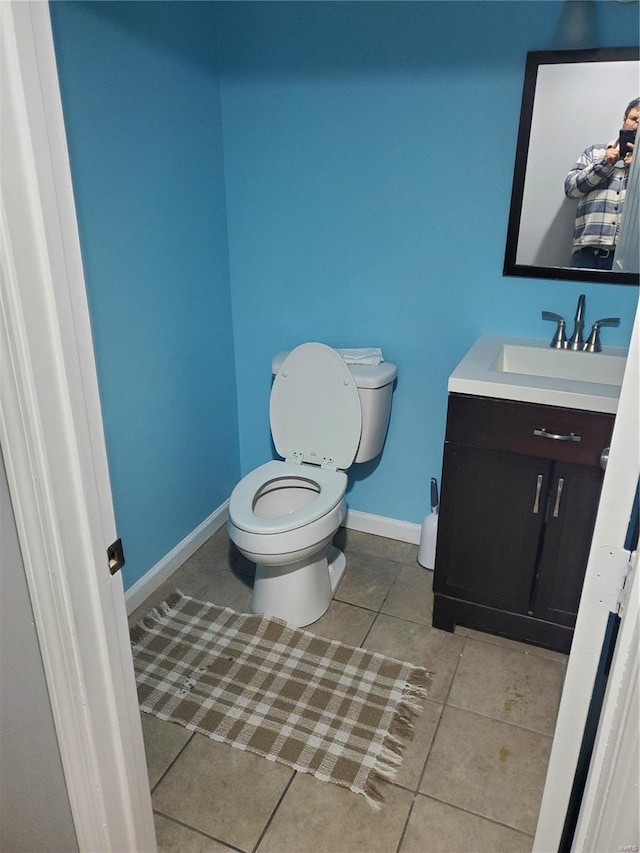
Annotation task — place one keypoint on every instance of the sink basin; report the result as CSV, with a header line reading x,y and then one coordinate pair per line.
x,y
531,371
560,364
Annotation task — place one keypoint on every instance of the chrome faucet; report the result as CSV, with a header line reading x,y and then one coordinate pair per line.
x,y
575,341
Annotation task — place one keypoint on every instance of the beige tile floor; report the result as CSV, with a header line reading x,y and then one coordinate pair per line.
x,y
471,779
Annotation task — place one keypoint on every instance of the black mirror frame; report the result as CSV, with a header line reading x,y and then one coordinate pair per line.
x,y
534,60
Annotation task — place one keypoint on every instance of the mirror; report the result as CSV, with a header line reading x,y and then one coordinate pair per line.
x,y
571,100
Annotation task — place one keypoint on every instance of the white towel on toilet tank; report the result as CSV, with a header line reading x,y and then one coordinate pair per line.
x,y
363,355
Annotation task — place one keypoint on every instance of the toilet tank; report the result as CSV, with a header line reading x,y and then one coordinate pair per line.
x,y
375,386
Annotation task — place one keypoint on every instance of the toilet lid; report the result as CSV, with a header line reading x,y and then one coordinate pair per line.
x,y
315,408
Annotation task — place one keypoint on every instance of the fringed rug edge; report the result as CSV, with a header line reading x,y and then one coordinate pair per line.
x,y
401,730
148,622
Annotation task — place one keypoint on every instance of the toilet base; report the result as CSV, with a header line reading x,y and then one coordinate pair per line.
x,y
337,565
299,593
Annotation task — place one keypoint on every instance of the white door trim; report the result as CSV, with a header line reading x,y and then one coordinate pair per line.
x,y
610,815
52,443
598,599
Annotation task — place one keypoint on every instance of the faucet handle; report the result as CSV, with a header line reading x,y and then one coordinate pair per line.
x,y
593,341
559,340
608,321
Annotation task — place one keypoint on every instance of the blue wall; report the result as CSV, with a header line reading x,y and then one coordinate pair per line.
x,y
141,100
312,143
351,219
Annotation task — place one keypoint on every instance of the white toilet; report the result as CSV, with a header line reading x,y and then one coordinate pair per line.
x,y
324,416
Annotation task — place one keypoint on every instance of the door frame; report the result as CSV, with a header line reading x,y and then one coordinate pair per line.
x,y
606,568
52,441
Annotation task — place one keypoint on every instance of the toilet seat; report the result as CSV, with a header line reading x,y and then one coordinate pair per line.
x,y
331,484
314,408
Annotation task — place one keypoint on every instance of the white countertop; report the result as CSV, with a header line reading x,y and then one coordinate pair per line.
x,y
574,380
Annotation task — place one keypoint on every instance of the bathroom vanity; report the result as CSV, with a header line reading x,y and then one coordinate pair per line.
x,y
521,479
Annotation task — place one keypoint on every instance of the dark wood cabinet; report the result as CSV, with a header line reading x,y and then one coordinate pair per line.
x,y
520,490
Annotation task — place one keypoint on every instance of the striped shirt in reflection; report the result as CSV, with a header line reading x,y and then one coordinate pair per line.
x,y
600,189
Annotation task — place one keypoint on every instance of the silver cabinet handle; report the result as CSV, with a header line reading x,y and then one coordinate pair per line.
x,y
604,458
536,502
556,509
544,434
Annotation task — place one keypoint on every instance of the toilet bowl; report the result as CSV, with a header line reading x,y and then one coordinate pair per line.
x,y
284,514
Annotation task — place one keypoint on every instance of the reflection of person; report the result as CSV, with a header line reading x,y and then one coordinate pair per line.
x,y
599,182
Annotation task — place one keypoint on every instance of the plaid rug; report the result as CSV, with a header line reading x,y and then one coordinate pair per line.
x,y
318,706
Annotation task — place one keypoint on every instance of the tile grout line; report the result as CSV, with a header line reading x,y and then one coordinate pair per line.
x,y
200,832
178,755
532,654
378,612
274,811
478,814
499,720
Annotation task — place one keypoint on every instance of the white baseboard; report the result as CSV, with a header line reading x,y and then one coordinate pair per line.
x,y
380,525
156,575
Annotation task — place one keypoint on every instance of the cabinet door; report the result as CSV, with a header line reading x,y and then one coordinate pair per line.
x,y
492,509
571,515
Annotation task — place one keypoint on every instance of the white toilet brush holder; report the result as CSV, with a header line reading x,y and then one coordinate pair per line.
x,y
429,532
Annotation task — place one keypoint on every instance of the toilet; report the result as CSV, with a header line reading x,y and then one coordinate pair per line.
x,y
325,415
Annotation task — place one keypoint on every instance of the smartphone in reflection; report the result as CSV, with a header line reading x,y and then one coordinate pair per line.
x,y
626,136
